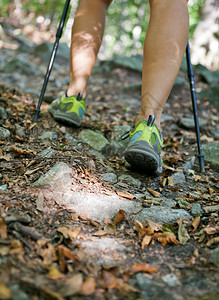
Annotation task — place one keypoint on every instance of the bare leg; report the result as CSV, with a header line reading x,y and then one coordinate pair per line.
x,y
87,33
164,48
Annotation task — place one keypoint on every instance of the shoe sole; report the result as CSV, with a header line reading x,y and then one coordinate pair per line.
x,y
62,117
141,156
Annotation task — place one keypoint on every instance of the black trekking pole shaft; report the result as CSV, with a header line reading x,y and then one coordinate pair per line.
x,y
194,105
52,58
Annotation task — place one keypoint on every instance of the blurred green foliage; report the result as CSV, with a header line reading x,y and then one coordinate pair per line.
x,y
127,20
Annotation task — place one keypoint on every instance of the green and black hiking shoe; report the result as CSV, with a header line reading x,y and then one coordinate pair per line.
x,y
68,109
144,149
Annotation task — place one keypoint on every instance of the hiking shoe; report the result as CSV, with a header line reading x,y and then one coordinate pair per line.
x,y
68,109
144,149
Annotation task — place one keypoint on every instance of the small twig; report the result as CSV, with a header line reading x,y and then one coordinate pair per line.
x,y
25,219
26,231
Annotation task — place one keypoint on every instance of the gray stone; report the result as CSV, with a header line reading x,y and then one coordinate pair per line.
x,y
215,256
133,62
44,51
112,149
189,123
17,293
212,94
48,135
211,155
19,131
196,210
97,206
170,279
128,179
3,114
162,214
209,76
94,139
189,164
215,132
47,153
179,178
4,133
110,177
22,64
165,118
71,138
3,187
59,176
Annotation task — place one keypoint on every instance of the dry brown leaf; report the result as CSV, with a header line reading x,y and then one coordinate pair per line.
x,y
211,230
120,215
4,156
88,287
109,280
146,241
94,223
54,273
152,225
5,292
166,238
213,241
71,286
3,229
110,228
142,230
48,254
100,233
20,151
69,234
153,193
67,253
48,294
125,288
146,268
195,223
170,181
125,195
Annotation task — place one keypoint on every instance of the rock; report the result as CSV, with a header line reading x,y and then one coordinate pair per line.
x,y
162,215
215,256
17,293
59,176
215,132
118,133
97,206
189,123
133,62
19,131
3,187
110,177
189,164
48,135
212,94
94,139
112,149
22,64
70,138
47,153
3,114
196,210
128,179
165,118
170,279
44,51
4,133
178,178
179,81
209,76
211,155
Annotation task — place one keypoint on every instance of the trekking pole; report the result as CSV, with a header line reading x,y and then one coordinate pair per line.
x,y
194,105
52,58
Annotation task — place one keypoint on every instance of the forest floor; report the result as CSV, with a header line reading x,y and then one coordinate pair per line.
x,y
87,233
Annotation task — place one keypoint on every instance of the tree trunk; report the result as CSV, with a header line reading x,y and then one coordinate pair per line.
x,y
205,42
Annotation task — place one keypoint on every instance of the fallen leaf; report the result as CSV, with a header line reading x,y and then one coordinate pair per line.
x,y
145,268
3,229
67,253
213,241
195,223
166,238
88,287
109,280
153,193
20,151
5,292
125,288
48,294
120,215
211,230
68,234
152,225
48,254
146,241
71,286
54,273
183,235
100,233
170,181
110,228
125,195
142,230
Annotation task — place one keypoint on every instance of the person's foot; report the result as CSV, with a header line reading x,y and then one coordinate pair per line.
x,y
68,109
144,149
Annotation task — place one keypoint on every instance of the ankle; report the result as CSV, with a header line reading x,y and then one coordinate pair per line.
x,y
145,116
